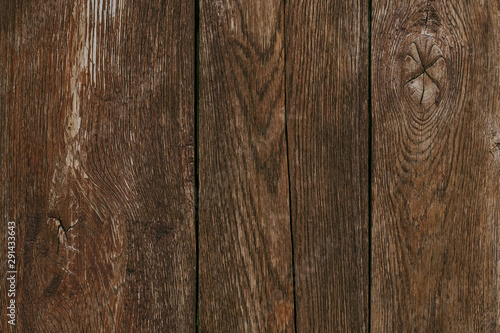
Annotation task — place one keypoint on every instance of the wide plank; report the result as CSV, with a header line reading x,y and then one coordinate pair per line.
x,y
97,113
436,166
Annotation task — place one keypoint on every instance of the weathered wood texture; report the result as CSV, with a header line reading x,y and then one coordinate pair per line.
x,y
327,89
97,145
97,165
436,166
245,260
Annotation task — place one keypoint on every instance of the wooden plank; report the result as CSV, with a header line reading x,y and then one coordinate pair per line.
x,y
436,200
7,10
327,88
246,280
97,108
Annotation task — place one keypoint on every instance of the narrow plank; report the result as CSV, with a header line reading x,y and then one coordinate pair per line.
x,y
327,88
246,276
436,200
7,12
97,103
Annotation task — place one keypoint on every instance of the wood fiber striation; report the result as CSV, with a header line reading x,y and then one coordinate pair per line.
x,y
435,178
96,108
246,274
424,71
327,96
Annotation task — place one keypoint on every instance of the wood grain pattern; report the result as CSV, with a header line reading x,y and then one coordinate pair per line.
x,y
97,115
424,71
436,171
327,89
246,276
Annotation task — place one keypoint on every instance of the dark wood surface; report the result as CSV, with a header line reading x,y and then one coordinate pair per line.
x,y
251,166
246,274
435,166
97,116
327,90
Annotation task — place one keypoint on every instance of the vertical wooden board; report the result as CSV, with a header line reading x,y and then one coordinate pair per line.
x,y
436,166
246,280
7,10
327,90
97,103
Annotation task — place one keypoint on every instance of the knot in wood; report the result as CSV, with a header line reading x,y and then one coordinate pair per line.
x,y
424,71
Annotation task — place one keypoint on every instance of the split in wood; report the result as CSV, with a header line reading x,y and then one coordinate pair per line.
x,y
424,71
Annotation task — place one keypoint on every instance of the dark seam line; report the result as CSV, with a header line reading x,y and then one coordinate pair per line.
x,y
409,55
196,153
414,78
423,88
420,57
433,80
370,165
434,62
425,72
288,167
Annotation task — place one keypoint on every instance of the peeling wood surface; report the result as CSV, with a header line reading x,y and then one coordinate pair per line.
x,y
436,174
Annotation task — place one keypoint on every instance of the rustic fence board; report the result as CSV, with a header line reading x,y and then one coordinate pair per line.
x,y
327,90
435,166
251,166
97,112
246,280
